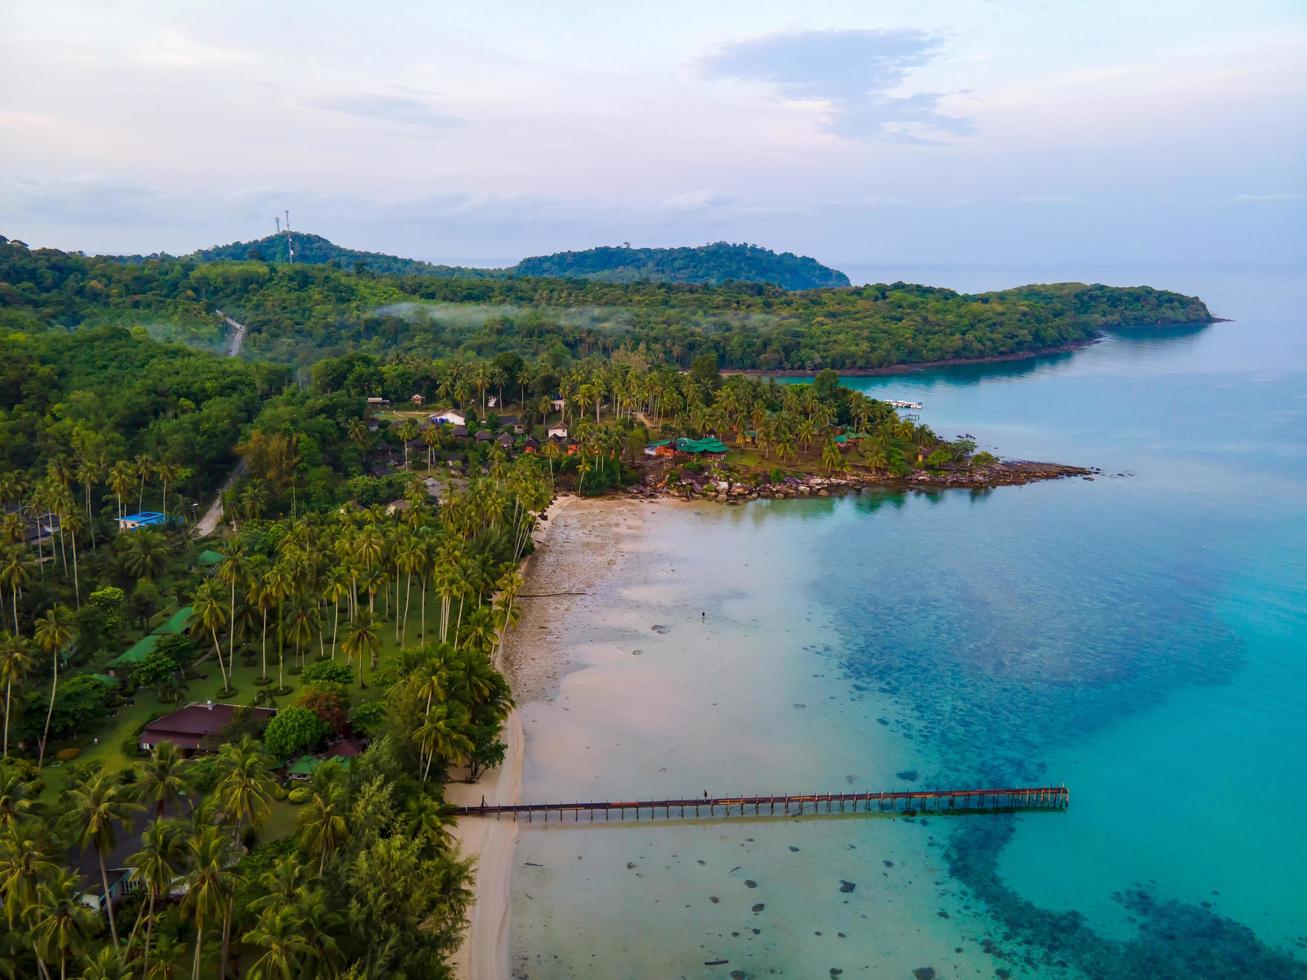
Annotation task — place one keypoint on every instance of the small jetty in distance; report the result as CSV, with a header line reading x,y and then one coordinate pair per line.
x,y
947,801
900,403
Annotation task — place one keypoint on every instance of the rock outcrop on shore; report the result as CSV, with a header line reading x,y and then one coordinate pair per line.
x,y
710,486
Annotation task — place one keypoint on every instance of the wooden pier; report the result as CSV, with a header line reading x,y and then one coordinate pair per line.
x,y
947,801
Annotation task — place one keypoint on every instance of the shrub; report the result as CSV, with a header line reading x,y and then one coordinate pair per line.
x,y
328,672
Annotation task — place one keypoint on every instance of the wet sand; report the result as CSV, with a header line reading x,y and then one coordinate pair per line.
x,y
576,544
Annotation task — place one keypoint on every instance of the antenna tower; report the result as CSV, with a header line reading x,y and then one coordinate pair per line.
x,y
290,242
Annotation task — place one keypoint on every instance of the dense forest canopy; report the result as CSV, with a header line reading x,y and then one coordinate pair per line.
x,y
716,263
709,264
299,312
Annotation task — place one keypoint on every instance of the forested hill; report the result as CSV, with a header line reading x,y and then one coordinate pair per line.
x,y
299,313
316,250
710,264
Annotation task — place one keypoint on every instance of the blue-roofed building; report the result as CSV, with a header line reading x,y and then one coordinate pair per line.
x,y
146,518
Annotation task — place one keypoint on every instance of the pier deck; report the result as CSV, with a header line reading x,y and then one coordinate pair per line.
x,y
948,801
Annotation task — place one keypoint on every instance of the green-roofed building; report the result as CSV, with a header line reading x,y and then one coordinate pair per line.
x,y
177,623
208,558
709,446
306,765
135,653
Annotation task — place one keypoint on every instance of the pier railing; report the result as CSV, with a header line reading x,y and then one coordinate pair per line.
x,y
948,801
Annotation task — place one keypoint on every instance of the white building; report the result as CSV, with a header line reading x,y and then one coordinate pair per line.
x,y
449,417
558,432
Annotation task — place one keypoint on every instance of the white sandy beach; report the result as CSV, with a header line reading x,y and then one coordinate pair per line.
x,y
574,545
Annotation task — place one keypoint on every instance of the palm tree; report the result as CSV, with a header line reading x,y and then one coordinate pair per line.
x,y
210,886
361,637
277,933
162,780
336,588
430,436
830,456
144,555
408,431
442,734
98,808
61,922
167,471
19,795
232,571
15,663
357,433
54,632
107,964
301,625
14,576
210,615
278,584
121,479
322,824
244,787
157,863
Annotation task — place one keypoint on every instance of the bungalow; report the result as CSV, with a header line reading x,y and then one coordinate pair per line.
x,y
122,876
663,447
146,518
376,401
208,558
708,446
416,399
198,727
532,445
557,403
484,435
448,417
573,447
460,432
557,432
505,441
343,751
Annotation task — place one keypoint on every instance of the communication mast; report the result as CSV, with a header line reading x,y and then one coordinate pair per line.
x,y
277,218
290,242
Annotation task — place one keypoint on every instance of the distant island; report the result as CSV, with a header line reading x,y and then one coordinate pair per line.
x,y
707,264
297,313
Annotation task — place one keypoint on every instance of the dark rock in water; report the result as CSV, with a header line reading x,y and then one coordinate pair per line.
x,y
660,628
715,962
714,899
750,883
637,653
759,907
800,706
942,914
700,861
847,886
924,973
835,971
738,975
793,849
630,864
887,863
908,775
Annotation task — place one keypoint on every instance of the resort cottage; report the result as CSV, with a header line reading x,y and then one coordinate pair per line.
x,y
448,417
146,518
199,727
557,432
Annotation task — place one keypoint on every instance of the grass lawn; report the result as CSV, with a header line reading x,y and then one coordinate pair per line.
x,y
106,745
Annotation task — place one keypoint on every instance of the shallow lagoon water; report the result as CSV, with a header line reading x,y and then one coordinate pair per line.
x,y
1138,637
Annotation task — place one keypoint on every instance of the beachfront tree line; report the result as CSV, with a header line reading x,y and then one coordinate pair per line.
x,y
369,885
614,405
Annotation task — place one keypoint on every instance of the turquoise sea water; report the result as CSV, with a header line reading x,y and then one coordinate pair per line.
x,y
1141,637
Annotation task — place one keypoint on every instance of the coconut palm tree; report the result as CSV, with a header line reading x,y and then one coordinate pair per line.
x,y
15,663
60,921
301,625
443,734
54,632
157,863
232,571
361,637
408,431
244,788
168,472
107,964
144,555
120,481
210,886
19,795
162,780
211,615
277,933
322,824
15,575
98,808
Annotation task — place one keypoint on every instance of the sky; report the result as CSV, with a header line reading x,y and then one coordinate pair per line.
x,y
1090,132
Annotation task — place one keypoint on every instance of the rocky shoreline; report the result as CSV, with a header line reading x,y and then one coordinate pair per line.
x,y
717,487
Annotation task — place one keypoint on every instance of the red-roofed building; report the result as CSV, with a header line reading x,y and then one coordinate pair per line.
x,y
199,727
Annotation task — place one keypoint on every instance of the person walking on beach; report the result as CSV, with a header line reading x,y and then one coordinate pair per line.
x,y
705,794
